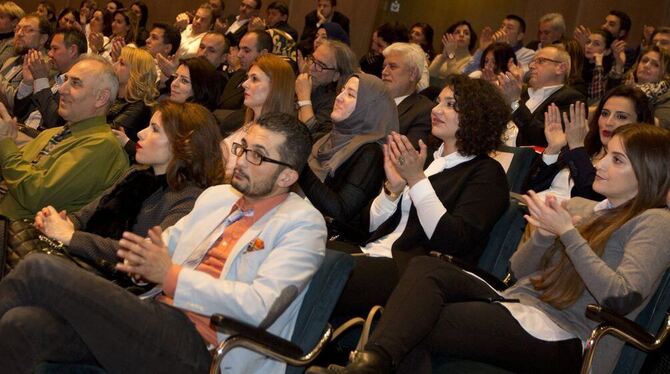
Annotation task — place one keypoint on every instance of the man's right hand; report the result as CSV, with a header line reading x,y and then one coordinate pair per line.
x,y
168,65
581,34
619,53
303,87
37,64
182,21
8,125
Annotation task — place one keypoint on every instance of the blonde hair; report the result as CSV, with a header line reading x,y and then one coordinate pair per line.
x,y
141,85
12,10
282,86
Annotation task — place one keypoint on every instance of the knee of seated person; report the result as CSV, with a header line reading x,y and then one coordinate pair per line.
x,y
424,263
37,264
21,321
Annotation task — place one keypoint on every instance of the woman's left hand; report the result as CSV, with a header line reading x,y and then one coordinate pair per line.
x,y
577,126
121,136
54,224
407,161
549,215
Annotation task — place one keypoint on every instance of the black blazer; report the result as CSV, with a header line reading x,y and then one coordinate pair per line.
x,y
475,194
232,96
236,36
309,32
531,125
45,102
344,195
414,118
582,172
133,117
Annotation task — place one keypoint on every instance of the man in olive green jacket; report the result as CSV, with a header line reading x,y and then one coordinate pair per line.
x,y
68,166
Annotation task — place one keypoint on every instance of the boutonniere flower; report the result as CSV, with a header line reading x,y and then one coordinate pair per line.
x,y
256,245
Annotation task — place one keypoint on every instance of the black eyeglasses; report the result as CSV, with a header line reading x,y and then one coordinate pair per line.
x,y
320,66
254,157
542,60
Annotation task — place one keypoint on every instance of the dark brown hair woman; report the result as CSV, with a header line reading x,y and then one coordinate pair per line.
x,y
181,147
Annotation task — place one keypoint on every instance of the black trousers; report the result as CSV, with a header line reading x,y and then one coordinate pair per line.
x,y
437,308
51,310
371,282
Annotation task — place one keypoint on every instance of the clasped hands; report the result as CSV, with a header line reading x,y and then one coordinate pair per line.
x,y
403,164
143,258
550,216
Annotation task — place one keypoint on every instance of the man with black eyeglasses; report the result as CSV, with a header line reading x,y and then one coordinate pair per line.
x,y
248,251
31,33
548,72
316,88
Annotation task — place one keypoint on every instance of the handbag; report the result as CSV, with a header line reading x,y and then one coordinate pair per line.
x,y
21,238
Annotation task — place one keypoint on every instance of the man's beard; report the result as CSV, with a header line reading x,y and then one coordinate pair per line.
x,y
259,190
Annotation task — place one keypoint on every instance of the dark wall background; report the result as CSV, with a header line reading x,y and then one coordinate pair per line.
x,y
365,15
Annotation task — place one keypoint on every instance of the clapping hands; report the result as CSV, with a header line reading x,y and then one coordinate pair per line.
x,y
550,216
403,164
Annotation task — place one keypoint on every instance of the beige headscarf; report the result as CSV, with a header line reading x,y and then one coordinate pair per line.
x,y
373,118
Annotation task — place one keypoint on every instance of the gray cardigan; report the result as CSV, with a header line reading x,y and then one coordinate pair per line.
x,y
163,208
635,258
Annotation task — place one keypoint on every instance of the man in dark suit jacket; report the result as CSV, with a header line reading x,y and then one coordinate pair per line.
x,y
239,25
252,45
37,108
325,12
548,71
403,64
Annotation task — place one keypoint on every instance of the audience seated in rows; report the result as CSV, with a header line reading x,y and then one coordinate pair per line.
x,y
566,168
651,74
65,167
180,147
548,72
324,13
345,167
446,201
458,43
272,242
614,256
269,88
136,72
253,44
10,15
443,191
32,33
36,103
403,65
324,74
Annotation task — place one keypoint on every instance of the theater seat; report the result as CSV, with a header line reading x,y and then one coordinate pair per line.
x,y
312,330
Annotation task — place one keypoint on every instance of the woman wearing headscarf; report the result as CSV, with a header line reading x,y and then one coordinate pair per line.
x,y
346,165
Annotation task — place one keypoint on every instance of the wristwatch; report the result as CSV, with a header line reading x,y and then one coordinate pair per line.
x,y
451,55
515,105
302,103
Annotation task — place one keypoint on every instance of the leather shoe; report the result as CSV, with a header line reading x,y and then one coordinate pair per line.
x,y
365,362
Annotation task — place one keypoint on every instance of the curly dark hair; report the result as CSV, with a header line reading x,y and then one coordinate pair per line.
x,y
482,115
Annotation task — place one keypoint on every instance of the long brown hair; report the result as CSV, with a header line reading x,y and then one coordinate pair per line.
x,y
194,137
282,86
648,149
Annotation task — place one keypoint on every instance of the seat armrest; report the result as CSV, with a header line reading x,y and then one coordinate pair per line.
x,y
234,327
489,278
599,314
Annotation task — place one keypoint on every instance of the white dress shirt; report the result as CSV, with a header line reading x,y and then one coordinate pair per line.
x,y
429,208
